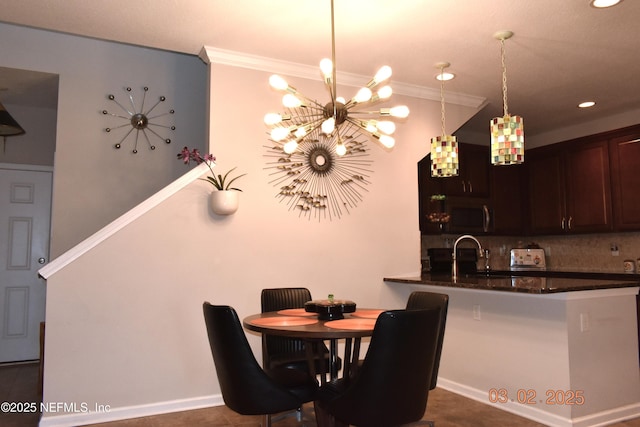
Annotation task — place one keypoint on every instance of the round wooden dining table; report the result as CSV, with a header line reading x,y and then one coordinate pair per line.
x,y
297,323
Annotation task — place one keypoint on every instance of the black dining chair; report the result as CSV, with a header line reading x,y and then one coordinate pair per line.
x,y
392,386
425,300
246,388
283,352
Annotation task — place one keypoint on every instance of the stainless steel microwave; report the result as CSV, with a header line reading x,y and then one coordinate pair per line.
x,y
468,215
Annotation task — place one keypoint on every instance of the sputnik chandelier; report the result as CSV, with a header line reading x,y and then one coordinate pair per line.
x,y
325,143
507,132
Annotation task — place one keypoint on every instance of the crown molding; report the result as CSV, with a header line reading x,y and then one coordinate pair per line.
x,y
212,55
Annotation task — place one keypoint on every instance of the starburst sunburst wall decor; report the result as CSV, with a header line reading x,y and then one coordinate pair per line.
x,y
138,121
315,180
318,150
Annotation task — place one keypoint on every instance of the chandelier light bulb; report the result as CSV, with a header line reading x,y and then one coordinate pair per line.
x,y
278,82
383,74
291,101
386,140
363,95
328,126
341,149
386,127
290,146
384,92
279,133
271,119
400,111
369,126
326,66
300,132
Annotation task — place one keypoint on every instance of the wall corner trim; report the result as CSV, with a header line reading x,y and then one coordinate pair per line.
x,y
121,222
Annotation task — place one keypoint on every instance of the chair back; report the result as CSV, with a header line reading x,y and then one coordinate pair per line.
x,y
281,299
392,386
426,300
245,387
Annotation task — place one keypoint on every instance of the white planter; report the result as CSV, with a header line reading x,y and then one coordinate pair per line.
x,y
224,202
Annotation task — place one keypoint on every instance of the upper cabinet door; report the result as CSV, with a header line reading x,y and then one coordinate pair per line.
x,y
569,187
508,198
546,191
625,181
588,188
473,179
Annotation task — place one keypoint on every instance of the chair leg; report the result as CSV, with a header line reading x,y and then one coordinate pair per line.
x,y
298,413
324,418
266,420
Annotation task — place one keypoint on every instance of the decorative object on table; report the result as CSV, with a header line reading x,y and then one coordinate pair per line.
x,y
330,309
138,119
318,149
444,148
224,199
507,132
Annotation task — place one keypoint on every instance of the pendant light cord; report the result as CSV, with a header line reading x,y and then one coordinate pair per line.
x,y
504,78
442,100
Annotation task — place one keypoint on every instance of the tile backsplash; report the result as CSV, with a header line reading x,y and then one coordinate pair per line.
x,y
580,252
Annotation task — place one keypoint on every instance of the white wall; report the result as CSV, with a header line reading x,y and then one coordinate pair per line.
x,y
93,182
124,321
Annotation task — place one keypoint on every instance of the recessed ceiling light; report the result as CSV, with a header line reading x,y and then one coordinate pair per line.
x,y
586,104
600,4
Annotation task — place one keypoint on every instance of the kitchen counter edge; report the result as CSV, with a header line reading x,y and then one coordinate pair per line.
x,y
506,281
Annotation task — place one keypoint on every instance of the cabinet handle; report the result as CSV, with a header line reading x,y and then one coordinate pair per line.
x,y
570,219
464,187
470,187
487,218
562,223
633,141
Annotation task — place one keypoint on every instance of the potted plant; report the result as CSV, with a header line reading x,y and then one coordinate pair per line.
x,y
224,201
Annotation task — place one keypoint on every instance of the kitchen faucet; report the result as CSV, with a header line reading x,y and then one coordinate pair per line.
x,y
454,263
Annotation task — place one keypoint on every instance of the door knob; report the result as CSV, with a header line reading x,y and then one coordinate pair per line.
x,y
41,260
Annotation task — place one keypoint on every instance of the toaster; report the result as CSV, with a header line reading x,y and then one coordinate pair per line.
x,y
528,259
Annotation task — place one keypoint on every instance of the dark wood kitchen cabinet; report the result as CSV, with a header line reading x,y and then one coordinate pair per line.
x,y
471,182
508,199
428,186
624,152
473,179
569,187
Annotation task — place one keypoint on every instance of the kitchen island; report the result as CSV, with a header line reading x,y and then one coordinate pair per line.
x,y
561,351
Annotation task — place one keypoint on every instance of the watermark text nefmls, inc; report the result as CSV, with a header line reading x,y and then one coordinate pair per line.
x,y
53,407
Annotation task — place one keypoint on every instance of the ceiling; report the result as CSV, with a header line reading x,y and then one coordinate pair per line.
x,y
562,52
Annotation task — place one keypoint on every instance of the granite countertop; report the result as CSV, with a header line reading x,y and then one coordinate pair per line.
x,y
525,282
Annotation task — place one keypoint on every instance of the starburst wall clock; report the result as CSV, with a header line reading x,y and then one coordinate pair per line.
x,y
137,123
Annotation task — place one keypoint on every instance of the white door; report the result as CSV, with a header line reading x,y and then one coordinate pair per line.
x,y
25,216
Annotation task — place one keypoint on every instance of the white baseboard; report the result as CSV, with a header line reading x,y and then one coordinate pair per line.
x,y
598,419
115,414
